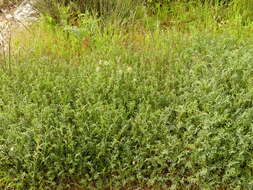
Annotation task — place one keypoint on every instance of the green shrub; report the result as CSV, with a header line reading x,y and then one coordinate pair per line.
x,y
176,113
134,106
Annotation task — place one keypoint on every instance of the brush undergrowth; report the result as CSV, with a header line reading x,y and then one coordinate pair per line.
x,y
159,102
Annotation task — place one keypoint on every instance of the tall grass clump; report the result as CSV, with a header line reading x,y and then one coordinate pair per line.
x,y
101,8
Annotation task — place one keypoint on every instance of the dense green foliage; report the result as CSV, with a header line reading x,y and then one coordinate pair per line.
x,y
157,102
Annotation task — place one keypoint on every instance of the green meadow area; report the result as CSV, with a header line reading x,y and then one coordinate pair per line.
x,y
129,95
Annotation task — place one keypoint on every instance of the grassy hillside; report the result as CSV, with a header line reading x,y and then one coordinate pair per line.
x,y
151,100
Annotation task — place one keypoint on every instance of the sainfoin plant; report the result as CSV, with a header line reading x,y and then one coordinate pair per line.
x,y
128,106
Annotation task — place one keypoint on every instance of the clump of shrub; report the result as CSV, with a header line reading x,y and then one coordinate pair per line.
x,y
126,107
175,113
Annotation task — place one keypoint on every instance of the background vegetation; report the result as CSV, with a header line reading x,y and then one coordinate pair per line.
x,y
147,97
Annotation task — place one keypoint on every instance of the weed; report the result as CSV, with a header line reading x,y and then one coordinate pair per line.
x,y
112,105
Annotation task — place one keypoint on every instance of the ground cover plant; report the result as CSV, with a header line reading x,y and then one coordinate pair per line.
x,y
159,101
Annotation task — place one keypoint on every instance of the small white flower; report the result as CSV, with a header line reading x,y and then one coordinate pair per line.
x,y
97,69
106,63
103,62
129,69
